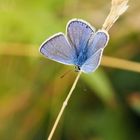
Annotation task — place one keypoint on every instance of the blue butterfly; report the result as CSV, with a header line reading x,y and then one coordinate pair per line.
x,y
81,46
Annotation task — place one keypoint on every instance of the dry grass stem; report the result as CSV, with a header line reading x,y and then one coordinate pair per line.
x,y
64,106
120,64
118,7
23,50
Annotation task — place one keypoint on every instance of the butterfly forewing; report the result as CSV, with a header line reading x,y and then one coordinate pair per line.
x,y
57,48
78,33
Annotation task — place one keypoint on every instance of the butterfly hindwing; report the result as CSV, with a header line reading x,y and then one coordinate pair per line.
x,y
92,63
57,48
97,41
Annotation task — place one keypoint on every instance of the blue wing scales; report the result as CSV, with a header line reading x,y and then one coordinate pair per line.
x,y
78,33
92,63
58,49
97,41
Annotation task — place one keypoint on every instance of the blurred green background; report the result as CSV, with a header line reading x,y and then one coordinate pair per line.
x,y
104,106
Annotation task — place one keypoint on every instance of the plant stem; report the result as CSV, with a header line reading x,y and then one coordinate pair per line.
x,y
118,63
64,106
25,50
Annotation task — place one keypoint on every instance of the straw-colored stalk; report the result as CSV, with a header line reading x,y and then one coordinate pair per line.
x,y
118,7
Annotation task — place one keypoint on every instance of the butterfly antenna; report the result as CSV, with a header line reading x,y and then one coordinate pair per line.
x,y
62,76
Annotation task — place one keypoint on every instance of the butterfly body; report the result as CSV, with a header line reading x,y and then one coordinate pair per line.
x,y
81,46
81,57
